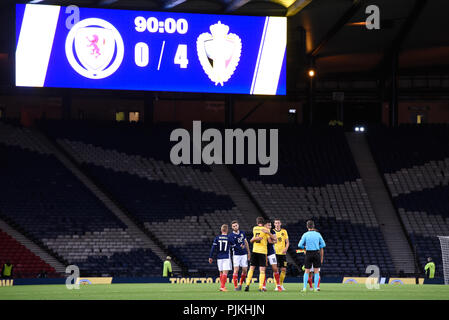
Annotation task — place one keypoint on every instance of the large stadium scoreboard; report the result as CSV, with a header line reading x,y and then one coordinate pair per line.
x,y
155,51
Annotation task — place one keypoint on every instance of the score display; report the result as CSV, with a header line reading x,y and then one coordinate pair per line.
x,y
155,51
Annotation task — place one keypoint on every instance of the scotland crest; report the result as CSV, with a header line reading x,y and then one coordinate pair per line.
x,y
98,48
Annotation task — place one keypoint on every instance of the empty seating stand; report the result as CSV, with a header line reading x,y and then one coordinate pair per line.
x,y
317,179
42,199
414,160
26,263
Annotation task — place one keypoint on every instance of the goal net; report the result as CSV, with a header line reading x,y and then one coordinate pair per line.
x,y
444,242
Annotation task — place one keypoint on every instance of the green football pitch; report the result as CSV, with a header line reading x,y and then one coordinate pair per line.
x,y
157,291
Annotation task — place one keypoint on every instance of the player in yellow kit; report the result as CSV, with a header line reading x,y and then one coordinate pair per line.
x,y
259,255
281,247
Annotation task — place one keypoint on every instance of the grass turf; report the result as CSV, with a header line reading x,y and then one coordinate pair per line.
x,y
158,291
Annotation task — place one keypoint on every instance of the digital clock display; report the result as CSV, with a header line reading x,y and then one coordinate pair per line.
x,y
154,51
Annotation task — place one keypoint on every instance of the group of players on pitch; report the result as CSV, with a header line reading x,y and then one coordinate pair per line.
x,y
269,247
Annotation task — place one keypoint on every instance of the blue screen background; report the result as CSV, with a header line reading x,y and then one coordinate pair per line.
x,y
170,77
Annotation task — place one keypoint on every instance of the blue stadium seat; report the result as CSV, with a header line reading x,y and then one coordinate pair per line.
x,y
414,160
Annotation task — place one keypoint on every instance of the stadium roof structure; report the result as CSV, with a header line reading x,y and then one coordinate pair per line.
x,y
334,35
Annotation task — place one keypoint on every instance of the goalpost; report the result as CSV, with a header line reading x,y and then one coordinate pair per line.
x,y
444,242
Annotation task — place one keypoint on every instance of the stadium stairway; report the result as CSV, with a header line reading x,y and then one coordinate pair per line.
x,y
396,239
243,203
132,228
236,193
241,197
31,246
414,161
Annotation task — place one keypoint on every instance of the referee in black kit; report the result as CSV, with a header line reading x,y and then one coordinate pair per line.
x,y
314,244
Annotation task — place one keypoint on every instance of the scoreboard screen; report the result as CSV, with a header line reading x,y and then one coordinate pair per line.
x,y
71,47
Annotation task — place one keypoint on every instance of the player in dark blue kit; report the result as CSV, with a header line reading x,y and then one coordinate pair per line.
x,y
241,254
222,245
